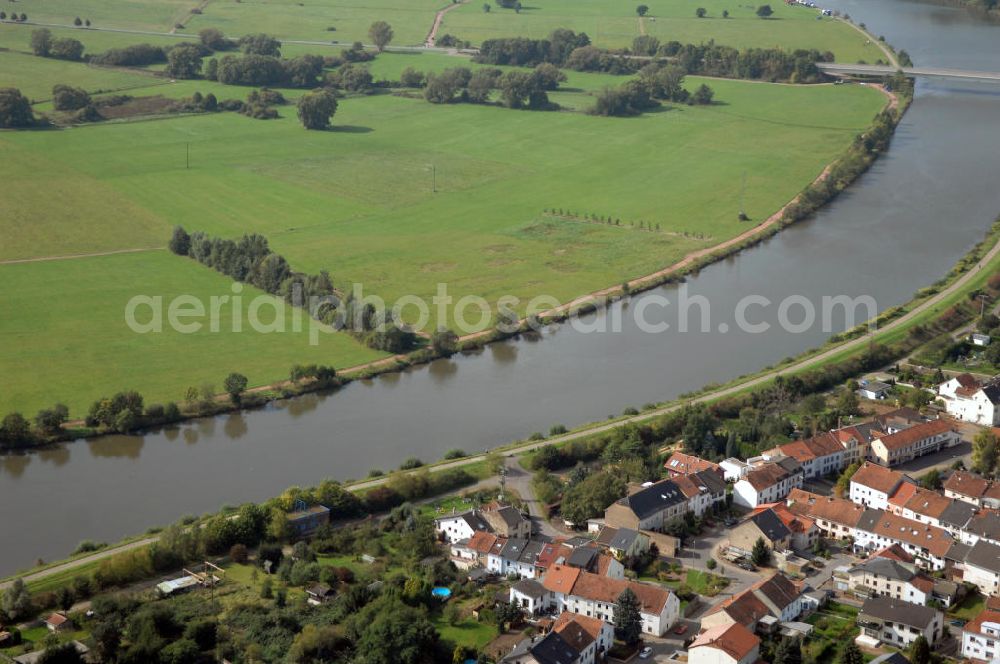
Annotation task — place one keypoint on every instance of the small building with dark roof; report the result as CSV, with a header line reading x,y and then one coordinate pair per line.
x,y
897,623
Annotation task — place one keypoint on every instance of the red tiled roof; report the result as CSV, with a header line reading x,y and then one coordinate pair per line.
x,y
975,626
592,626
932,538
551,552
687,464
482,542
928,503
561,579
907,437
877,477
602,589
895,552
570,627
923,583
766,475
967,380
967,484
827,508
56,619
903,494
745,608
735,640
794,522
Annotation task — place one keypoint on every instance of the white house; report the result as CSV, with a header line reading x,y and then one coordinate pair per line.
x,y
912,442
733,469
819,456
530,596
885,577
872,485
982,567
725,644
950,387
897,623
981,637
458,527
977,403
769,482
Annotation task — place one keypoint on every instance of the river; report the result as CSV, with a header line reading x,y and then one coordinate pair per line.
x,y
900,227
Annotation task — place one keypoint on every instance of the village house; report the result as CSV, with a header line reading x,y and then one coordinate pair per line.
x,y
573,639
981,567
819,456
768,483
982,526
304,520
319,594
967,487
775,596
725,644
872,485
506,521
834,517
647,507
897,623
680,464
925,506
58,622
915,441
704,490
968,400
457,527
474,551
883,577
927,544
579,630
734,469
981,637
780,527
595,596
623,543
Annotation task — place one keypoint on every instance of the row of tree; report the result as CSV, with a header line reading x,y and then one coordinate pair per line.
x,y
517,89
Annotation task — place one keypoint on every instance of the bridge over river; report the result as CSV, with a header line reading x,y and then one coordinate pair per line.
x,y
886,70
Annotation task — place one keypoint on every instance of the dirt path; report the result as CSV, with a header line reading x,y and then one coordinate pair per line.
x,y
72,256
642,25
438,18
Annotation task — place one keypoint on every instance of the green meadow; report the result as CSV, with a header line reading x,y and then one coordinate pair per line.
x,y
69,342
399,196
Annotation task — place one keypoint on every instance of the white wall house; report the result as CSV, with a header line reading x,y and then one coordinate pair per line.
x,y
981,637
458,527
768,483
726,644
872,485
977,404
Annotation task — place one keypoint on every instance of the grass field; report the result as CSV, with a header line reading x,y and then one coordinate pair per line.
x,y
68,341
615,25
608,24
358,201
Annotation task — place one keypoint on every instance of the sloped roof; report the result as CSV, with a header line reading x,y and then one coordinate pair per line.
x,y
603,589
957,514
772,527
936,540
985,524
895,552
530,587
768,474
808,449
914,434
889,569
624,538
712,481
778,589
984,555
554,649
928,503
482,541
975,626
877,477
688,464
898,611
966,484
828,508
796,523
561,579
902,495
744,608
591,626
655,498
734,639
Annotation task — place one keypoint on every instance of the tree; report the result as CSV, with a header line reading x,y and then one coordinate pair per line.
x,y
316,645
316,109
15,109
851,654
985,449
843,486
486,8
238,554
67,98
49,421
725,13
703,95
64,653
260,44
16,602
931,479
15,431
77,22
66,49
627,618
761,553
180,241
701,12
411,78
920,651
444,341
234,385
394,633
789,651
214,39
381,34
764,11
642,10
184,61
590,497
41,42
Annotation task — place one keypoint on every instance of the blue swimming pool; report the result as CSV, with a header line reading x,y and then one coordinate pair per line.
x,y
441,592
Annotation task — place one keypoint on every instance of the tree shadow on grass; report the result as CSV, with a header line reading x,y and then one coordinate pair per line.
x,y
350,129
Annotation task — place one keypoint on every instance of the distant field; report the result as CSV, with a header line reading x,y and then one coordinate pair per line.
x,y
608,23
615,24
68,341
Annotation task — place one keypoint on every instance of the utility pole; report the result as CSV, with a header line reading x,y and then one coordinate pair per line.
x,y
187,155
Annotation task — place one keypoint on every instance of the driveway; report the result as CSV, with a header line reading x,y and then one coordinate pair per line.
x,y
519,480
944,459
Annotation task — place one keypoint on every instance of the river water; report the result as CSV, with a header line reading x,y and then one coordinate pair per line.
x,y
901,227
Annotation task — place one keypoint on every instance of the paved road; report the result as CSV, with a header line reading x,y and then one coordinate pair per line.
x,y
888,70
519,480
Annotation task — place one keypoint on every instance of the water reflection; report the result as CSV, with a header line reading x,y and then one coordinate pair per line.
x,y
299,406
391,379
504,352
190,435
236,426
117,447
57,455
206,426
14,464
172,433
441,370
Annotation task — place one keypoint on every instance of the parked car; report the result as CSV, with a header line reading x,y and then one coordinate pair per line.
x,y
645,653
680,629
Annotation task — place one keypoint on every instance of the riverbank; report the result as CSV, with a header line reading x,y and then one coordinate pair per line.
x,y
970,273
